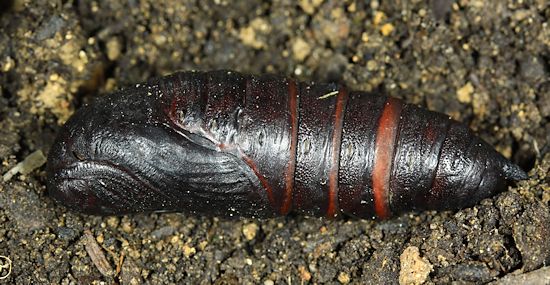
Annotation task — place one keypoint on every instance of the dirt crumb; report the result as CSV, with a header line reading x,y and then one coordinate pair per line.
x,y
414,269
464,94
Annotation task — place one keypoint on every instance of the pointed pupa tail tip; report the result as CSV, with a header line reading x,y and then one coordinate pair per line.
x,y
513,172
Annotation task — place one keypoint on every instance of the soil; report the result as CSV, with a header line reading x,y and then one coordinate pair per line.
x,y
486,63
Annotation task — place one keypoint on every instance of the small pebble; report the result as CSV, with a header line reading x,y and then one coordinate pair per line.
x,y
66,233
188,251
386,29
304,273
300,49
464,94
162,232
344,278
113,49
414,269
250,230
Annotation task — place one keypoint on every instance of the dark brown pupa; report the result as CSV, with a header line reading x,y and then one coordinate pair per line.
x,y
227,144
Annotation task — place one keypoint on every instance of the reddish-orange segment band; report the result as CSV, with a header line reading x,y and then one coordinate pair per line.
x,y
383,155
291,168
341,101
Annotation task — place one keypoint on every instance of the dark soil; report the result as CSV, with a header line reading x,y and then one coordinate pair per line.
x,y
482,62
